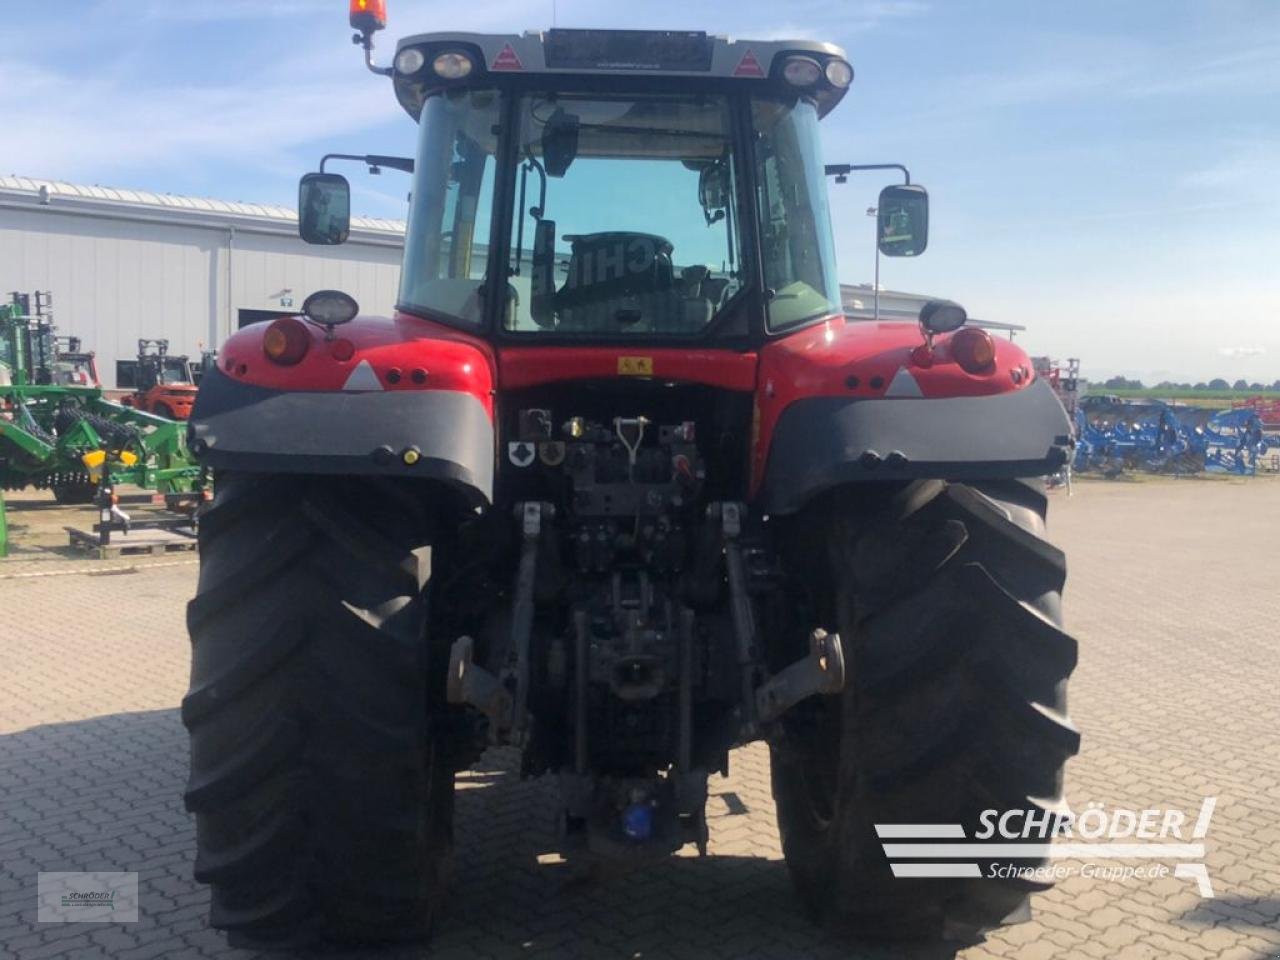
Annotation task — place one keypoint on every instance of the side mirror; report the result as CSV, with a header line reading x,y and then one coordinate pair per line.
x,y
559,142
902,221
713,192
542,277
324,208
942,316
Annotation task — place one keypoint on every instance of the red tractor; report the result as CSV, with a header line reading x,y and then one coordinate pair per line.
x,y
162,383
618,484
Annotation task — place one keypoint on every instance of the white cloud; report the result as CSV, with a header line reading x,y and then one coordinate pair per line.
x,y
117,125
1051,67
1250,69
1245,162
1235,352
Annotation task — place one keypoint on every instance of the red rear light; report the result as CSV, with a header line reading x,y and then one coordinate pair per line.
x,y
974,350
286,341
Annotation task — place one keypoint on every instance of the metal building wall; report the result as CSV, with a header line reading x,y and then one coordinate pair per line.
x,y
134,271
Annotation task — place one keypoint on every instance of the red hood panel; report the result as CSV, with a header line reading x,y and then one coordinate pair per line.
x,y
530,366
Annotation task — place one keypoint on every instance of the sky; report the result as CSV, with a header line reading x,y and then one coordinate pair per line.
x,y
1103,172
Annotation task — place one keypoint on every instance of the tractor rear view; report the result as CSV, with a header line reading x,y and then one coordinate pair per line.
x,y
618,484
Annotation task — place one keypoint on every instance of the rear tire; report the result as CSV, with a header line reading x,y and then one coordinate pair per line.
x,y
322,797
948,600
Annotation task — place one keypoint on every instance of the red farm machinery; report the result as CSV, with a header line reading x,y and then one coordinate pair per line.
x,y
618,484
161,383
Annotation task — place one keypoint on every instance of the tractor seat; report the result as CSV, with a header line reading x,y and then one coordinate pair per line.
x,y
618,280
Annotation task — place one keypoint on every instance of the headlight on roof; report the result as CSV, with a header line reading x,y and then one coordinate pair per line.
x,y
839,74
409,60
452,65
801,71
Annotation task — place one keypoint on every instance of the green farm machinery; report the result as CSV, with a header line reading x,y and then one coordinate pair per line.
x,y
60,433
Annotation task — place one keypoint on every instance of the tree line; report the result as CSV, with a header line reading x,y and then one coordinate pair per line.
x,y
1217,383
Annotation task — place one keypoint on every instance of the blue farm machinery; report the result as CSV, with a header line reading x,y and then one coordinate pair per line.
x,y
1114,435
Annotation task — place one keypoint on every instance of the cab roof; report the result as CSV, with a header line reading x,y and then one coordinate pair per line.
x,y
611,53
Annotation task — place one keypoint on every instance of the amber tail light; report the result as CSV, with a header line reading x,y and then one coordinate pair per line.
x,y
286,341
974,350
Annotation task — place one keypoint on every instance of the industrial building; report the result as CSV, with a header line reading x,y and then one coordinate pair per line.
x,y
127,264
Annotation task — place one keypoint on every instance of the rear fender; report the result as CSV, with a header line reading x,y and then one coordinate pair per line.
x,y
864,402
410,399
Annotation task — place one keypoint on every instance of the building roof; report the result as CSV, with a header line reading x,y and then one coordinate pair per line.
x,y
128,204
859,300
859,304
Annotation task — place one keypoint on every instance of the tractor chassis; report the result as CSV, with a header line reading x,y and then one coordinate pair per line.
x,y
630,817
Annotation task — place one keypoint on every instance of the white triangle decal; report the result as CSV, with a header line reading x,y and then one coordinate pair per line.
x,y
362,378
903,384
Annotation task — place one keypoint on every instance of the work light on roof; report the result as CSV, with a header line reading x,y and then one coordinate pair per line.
x,y
452,65
409,60
330,308
839,74
801,71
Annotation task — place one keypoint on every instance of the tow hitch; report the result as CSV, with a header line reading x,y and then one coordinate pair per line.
x,y
821,672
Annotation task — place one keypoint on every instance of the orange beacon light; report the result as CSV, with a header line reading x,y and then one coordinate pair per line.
x,y
368,16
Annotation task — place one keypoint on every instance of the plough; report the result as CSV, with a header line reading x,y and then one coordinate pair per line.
x,y
1160,438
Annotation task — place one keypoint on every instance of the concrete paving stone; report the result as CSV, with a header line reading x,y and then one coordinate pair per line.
x,y
170,946
1091,948
981,953
1140,951
1024,933
1105,918
1245,951
61,947
1270,936
1069,926
1179,947
114,939
1218,938
1043,949
1120,935
17,944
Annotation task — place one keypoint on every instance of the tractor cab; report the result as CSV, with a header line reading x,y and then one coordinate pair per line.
x,y
156,367
73,365
617,186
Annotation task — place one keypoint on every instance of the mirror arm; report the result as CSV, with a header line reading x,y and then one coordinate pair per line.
x,y
524,182
542,188
841,171
365,40
373,161
536,212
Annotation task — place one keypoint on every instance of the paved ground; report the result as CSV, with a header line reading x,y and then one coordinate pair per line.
x,y
1174,593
